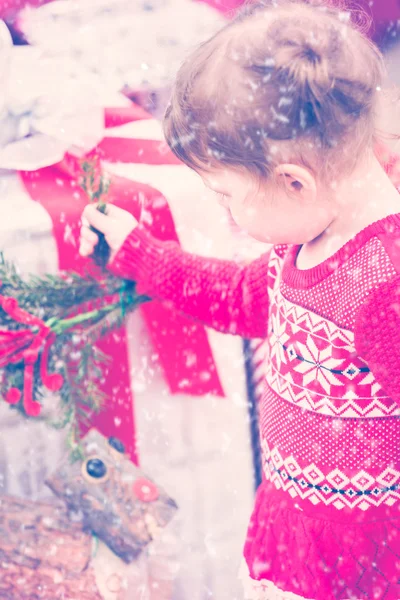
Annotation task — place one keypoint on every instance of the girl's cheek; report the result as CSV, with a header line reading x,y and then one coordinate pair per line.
x,y
250,212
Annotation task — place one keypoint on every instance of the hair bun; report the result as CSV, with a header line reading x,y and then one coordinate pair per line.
x,y
281,71
302,57
312,55
304,63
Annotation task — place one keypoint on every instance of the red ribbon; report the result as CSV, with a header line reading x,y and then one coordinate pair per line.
x,y
182,346
31,344
139,151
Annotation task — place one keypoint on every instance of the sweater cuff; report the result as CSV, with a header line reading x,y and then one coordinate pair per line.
x,y
138,258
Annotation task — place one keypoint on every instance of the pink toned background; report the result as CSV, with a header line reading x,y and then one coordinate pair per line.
x,y
383,11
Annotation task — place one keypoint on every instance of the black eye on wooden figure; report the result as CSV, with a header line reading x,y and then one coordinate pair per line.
x,y
94,470
116,444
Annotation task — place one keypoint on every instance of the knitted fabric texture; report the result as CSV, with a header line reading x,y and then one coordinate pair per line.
x,y
326,522
377,335
222,294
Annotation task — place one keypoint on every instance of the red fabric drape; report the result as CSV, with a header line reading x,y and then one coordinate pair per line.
x,y
182,346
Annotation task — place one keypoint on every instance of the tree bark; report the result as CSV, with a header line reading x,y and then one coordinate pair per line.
x,y
43,555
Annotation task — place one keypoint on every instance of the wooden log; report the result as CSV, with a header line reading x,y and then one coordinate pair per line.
x,y
120,504
43,555
45,551
23,583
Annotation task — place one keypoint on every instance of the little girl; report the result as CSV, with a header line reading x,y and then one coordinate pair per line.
x,y
276,113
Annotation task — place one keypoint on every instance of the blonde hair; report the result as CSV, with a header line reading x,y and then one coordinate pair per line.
x,y
284,74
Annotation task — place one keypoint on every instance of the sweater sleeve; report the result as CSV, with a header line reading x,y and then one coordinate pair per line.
x,y
221,294
377,335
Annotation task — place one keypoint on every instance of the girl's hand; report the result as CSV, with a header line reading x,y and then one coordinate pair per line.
x,y
116,225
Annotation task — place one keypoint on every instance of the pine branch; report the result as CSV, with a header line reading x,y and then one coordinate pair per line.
x,y
78,312
61,291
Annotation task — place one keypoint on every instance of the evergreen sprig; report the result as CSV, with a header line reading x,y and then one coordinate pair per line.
x,y
96,187
60,292
79,311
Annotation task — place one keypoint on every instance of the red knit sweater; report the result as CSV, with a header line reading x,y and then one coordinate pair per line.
x,y
326,523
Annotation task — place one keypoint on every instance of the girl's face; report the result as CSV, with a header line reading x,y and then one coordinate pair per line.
x,y
285,210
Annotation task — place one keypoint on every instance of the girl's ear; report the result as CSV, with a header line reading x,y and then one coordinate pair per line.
x,y
297,181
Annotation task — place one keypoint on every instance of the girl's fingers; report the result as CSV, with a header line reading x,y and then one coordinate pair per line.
x,y
114,212
85,249
89,236
116,225
96,219
106,222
